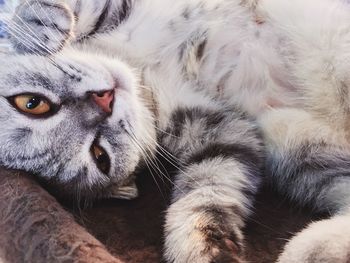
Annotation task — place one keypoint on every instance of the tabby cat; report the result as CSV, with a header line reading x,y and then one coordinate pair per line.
x,y
99,85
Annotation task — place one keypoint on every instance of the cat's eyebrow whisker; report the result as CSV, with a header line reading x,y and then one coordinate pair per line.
x,y
20,32
18,35
37,15
16,32
54,63
27,45
33,34
13,25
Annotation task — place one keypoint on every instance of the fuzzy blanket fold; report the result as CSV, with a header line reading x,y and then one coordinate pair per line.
x,y
34,227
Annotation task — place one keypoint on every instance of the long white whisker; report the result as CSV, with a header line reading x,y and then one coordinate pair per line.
x,y
16,29
145,158
168,156
22,34
15,32
38,40
173,160
158,169
37,15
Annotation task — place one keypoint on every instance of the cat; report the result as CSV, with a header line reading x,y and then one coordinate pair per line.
x,y
282,62
83,121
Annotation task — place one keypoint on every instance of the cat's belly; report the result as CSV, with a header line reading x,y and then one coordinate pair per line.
x,y
232,58
247,70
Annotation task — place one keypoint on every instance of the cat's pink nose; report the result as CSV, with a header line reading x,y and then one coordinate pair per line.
x,y
104,100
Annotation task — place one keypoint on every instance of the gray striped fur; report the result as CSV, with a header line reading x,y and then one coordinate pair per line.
x,y
283,62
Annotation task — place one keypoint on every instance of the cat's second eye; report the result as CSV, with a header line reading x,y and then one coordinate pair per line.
x,y
101,158
32,104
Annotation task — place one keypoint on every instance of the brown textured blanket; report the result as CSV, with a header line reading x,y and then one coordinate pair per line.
x,y
34,227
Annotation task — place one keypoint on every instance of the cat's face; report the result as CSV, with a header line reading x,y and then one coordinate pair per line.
x,y
76,121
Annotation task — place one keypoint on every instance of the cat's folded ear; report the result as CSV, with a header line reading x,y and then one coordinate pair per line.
x,y
41,27
128,191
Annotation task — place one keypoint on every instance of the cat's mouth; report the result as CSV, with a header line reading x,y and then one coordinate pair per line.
x,y
100,157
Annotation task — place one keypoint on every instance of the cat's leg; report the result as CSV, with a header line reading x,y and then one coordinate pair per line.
x,y
44,26
221,156
309,163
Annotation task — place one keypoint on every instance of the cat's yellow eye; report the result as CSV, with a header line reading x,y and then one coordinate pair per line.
x,y
32,104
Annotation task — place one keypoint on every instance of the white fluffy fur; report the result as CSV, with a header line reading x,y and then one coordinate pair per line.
x,y
325,241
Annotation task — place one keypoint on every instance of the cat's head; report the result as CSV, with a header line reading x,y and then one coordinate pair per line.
x,y
78,121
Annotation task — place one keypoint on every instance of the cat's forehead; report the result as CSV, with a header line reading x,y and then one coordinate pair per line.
x,y
21,67
62,75
30,74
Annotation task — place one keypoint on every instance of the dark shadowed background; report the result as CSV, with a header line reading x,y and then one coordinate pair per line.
x,y
34,227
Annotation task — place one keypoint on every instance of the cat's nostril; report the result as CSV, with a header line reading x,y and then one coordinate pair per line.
x,y
104,100
100,94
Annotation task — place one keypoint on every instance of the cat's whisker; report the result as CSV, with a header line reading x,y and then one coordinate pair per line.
x,y
154,162
60,67
33,34
167,133
177,167
146,159
144,87
18,32
30,37
164,174
18,35
159,129
48,17
166,155
31,48
149,167
172,159
157,167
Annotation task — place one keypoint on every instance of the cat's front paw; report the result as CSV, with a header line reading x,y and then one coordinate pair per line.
x,y
41,26
201,235
326,241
